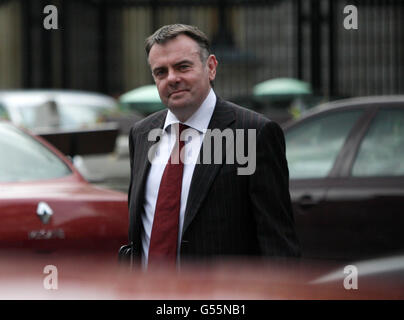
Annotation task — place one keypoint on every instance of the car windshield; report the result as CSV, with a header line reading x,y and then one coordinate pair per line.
x,y
3,113
65,116
23,158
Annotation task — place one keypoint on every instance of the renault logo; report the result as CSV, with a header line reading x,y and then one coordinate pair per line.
x,y
44,212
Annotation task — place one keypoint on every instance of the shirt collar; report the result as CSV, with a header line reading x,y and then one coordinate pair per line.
x,y
200,119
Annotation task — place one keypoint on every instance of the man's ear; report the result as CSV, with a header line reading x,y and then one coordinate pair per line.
x,y
212,64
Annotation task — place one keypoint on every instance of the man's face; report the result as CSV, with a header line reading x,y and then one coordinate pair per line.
x,y
182,79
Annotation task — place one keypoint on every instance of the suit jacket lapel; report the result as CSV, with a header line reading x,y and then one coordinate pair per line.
x,y
140,171
204,174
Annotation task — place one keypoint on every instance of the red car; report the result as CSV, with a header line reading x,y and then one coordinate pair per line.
x,y
82,277
47,206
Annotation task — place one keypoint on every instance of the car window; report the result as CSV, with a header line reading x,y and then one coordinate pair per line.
x,y
25,159
81,116
43,115
312,146
66,116
3,113
381,152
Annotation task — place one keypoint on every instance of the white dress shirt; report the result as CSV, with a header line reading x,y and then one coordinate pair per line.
x,y
197,123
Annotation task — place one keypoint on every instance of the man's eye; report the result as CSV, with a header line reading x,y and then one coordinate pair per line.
x,y
184,67
159,73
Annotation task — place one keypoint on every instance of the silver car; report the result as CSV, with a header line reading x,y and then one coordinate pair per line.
x,y
87,126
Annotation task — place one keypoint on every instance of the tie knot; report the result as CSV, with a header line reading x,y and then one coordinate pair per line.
x,y
179,128
183,127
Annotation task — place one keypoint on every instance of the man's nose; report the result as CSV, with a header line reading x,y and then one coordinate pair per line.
x,y
173,77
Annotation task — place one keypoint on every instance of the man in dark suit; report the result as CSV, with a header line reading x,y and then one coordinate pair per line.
x,y
220,211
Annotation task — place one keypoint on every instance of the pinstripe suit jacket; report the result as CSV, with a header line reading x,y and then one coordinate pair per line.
x,y
226,214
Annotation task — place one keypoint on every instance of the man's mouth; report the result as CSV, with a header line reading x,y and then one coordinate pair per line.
x,y
177,91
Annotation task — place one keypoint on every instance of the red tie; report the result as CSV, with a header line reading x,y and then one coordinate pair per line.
x,y
164,236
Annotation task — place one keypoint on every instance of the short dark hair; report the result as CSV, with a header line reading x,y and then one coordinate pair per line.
x,y
171,31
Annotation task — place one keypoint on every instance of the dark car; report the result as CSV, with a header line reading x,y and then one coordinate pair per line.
x,y
346,162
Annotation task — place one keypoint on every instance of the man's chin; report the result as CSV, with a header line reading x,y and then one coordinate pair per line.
x,y
173,105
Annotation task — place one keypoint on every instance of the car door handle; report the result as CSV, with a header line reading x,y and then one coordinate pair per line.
x,y
307,201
